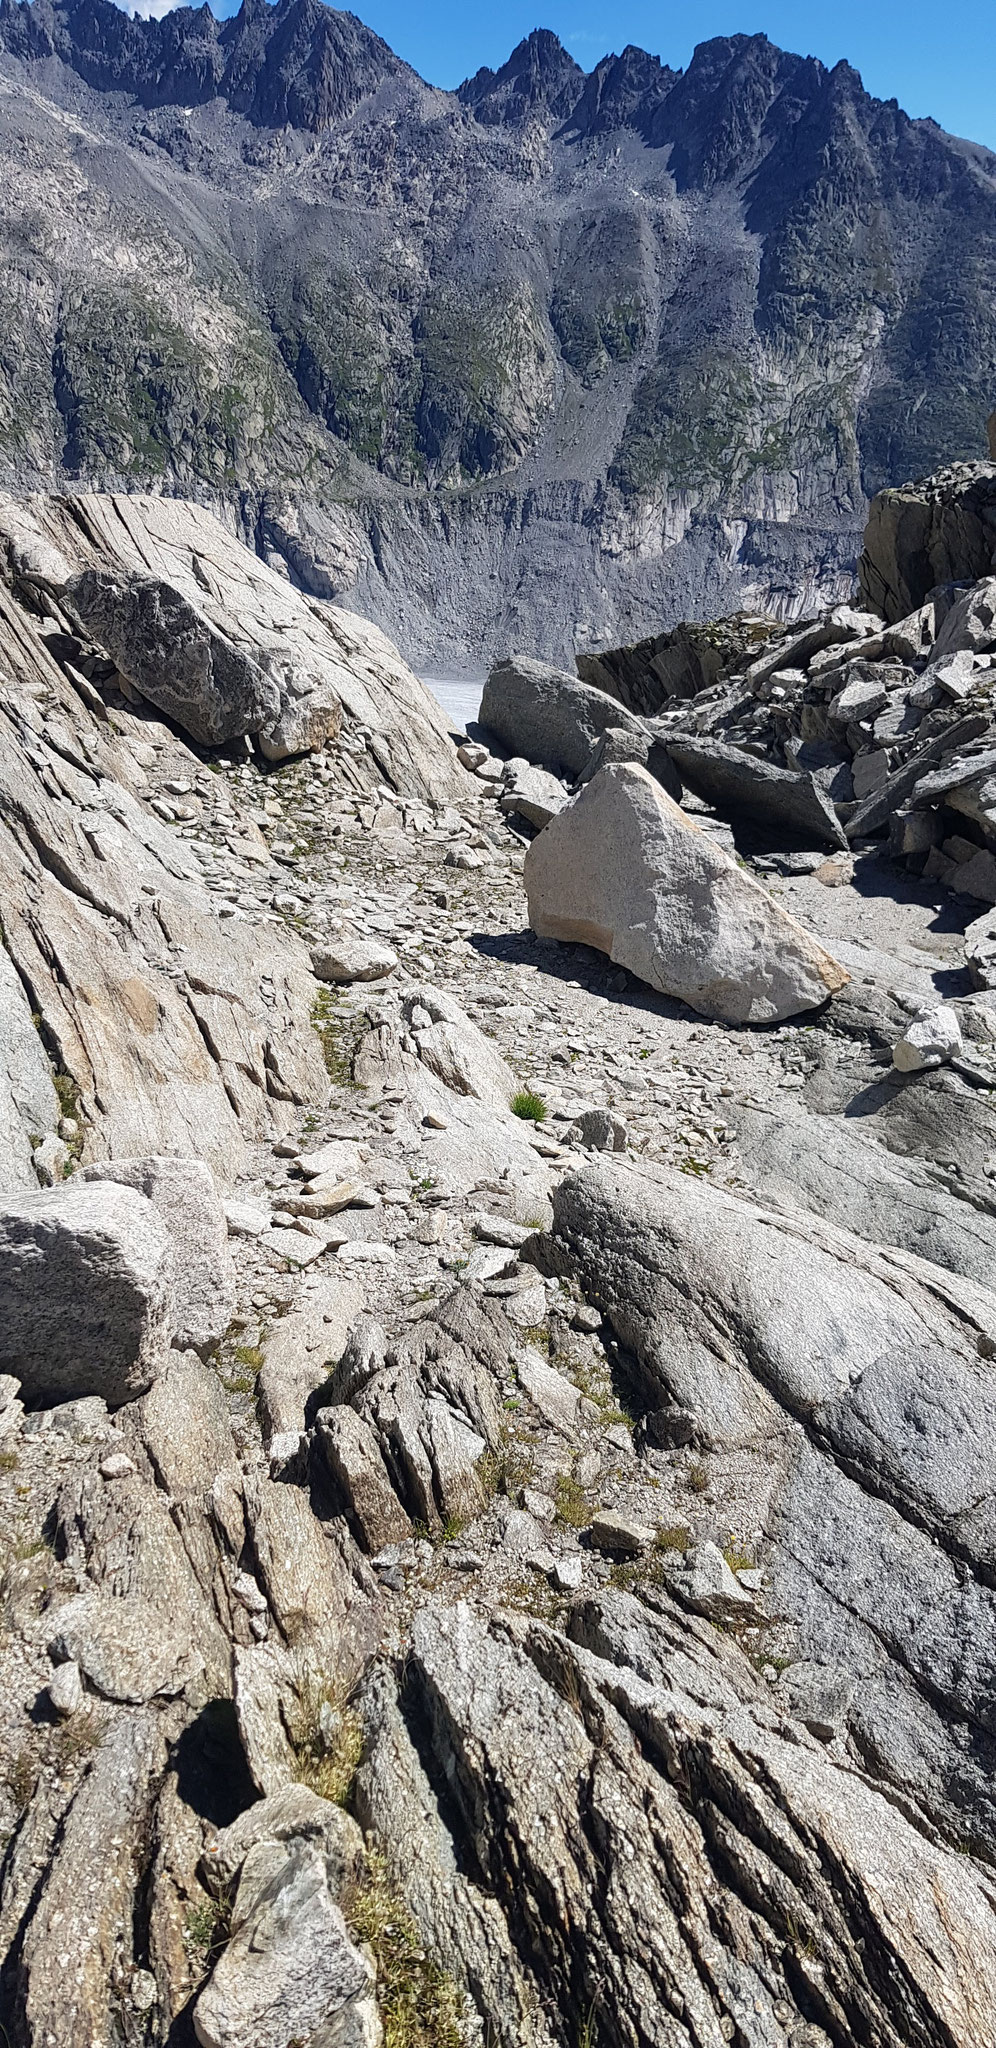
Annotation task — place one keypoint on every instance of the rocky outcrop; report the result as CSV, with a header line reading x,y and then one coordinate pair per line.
x,y
203,629
660,1771
712,1305
823,1165
176,1046
625,870
558,1599
646,676
920,535
853,726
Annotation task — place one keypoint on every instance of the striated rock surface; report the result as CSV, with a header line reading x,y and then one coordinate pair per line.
x,y
237,649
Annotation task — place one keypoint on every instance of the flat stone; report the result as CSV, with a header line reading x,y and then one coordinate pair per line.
x,y
620,1535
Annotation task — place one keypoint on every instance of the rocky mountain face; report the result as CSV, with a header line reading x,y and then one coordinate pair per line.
x,y
553,361
497,1334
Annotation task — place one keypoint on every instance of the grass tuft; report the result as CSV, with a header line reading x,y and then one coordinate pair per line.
x,y
571,1505
420,2006
528,1105
326,1736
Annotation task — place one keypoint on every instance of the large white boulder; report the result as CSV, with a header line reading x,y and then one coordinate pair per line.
x,y
86,1301
625,870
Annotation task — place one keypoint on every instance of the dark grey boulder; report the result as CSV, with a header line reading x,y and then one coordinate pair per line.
x,y
742,786
548,715
172,654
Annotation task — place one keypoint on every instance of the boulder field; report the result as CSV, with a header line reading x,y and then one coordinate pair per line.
x,y
497,1324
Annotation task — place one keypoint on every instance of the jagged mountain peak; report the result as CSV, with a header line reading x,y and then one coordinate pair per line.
x,y
539,75
297,63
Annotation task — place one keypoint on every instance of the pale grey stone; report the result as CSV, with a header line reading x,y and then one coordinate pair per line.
x,y
289,1972
548,715
184,1193
620,1535
28,1103
87,1305
352,958
928,1042
65,1689
624,869
346,1451
50,1160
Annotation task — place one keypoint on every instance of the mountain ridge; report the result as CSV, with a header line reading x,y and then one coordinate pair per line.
x,y
645,337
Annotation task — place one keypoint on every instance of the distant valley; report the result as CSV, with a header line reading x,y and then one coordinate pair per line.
x,y
549,362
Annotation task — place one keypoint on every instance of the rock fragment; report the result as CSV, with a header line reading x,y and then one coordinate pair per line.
x,y
929,1042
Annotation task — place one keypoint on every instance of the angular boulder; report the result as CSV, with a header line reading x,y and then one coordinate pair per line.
x,y
624,870
174,657
87,1303
743,787
939,530
185,1195
548,715
290,1972
532,793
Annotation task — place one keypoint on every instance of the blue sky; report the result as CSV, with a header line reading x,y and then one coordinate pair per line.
x,y
932,63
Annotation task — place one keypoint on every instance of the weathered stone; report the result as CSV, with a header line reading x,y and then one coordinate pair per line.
x,y
625,870
928,1042
598,1130
184,1193
174,656
351,958
531,793
556,1397
838,1167
65,1689
300,1350
620,1535
817,1694
703,1581
289,1972
353,1470
453,1048
28,1103
970,625
295,1814
925,534
691,657
77,1932
742,787
186,1430
124,1647
548,715
87,1303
